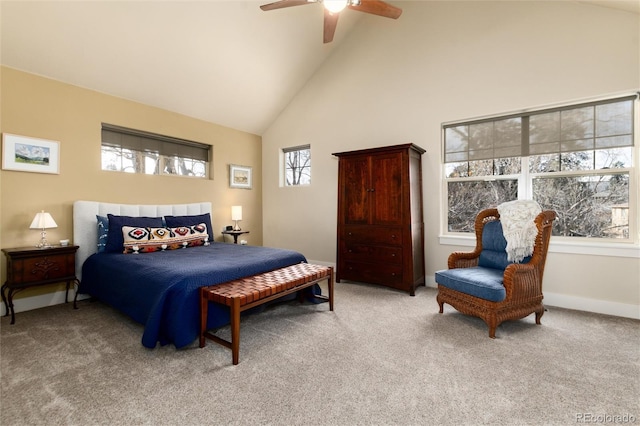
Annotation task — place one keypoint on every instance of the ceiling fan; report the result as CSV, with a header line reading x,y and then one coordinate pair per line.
x,y
332,9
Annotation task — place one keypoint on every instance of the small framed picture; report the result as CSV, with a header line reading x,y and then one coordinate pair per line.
x,y
26,154
240,176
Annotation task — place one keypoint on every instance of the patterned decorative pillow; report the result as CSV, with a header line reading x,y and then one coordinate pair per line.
x,y
173,221
114,237
147,240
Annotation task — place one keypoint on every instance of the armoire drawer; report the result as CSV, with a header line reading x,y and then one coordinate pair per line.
x,y
375,273
368,253
372,235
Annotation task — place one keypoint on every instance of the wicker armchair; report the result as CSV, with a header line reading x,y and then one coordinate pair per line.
x,y
484,284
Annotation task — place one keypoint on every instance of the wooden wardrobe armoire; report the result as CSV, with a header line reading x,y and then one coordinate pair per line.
x,y
380,225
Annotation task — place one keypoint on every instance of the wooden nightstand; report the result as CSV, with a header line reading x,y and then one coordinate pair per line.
x,y
30,267
235,234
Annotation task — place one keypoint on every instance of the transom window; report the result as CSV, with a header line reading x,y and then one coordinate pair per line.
x,y
576,160
135,151
297,165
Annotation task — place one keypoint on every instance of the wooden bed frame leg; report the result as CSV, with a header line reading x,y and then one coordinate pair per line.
x,y
204,307
235,331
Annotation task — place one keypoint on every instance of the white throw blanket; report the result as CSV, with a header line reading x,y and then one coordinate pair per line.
x,y
519,228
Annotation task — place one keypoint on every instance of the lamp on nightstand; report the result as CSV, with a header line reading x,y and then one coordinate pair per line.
x,y
236,214
43,221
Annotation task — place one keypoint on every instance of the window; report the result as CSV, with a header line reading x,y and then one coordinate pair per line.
x,y
575,160
297,165
134,151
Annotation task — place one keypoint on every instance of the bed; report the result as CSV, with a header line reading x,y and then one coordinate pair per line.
x,y
159,289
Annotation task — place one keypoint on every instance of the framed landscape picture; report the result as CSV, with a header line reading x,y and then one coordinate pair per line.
x,y
26,154
240,176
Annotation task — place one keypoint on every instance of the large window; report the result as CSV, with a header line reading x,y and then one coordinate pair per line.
x,y
297,165
134,151
576,160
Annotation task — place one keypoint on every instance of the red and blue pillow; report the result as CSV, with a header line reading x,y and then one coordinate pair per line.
x,y
147,240
111,237
193,220
115,239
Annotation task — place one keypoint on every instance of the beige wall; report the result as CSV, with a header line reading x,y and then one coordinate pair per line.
x,y
43,108
394,82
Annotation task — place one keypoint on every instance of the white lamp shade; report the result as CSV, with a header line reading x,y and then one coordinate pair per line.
x,y
236,212
43,220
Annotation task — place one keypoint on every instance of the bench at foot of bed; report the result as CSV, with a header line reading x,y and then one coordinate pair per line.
x,y
249,292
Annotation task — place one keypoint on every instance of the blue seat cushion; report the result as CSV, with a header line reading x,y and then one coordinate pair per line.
x,y
478,281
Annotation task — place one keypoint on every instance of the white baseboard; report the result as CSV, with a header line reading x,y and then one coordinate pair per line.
x,y
551,299
320,262
580,303
592,305
34,302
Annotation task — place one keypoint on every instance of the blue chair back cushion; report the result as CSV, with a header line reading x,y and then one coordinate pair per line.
x,y
485,283
494,247
493,254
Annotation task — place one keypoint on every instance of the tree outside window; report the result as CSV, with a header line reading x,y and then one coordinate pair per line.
x,y
134,151
297,165
575,160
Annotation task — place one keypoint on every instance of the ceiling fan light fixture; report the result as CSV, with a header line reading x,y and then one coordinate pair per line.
x,y
332,9
335,6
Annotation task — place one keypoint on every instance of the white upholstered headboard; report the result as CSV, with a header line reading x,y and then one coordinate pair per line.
x,y
85,225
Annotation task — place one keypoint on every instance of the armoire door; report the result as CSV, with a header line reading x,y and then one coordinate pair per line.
x,y
355,180
386,189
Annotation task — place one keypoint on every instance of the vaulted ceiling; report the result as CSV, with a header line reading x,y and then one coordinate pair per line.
x,y
226,62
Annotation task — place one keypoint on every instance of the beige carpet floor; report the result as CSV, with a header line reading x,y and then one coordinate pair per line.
x,y
381,358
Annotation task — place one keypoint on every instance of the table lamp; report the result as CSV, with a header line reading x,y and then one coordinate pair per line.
x,y
43,221
236,214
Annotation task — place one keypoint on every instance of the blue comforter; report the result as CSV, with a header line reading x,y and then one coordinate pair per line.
x,y
161,290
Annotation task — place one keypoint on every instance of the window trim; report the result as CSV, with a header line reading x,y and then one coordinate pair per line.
x,y
574,245
283,165
579,103
558,245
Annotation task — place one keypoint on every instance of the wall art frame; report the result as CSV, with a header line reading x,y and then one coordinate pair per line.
x,y
27,154
240,176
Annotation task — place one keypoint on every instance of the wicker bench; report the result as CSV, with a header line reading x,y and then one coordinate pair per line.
x,y
246,293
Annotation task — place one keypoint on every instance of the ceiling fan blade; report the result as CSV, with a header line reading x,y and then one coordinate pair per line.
x,y
379,8
330,23
285,3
